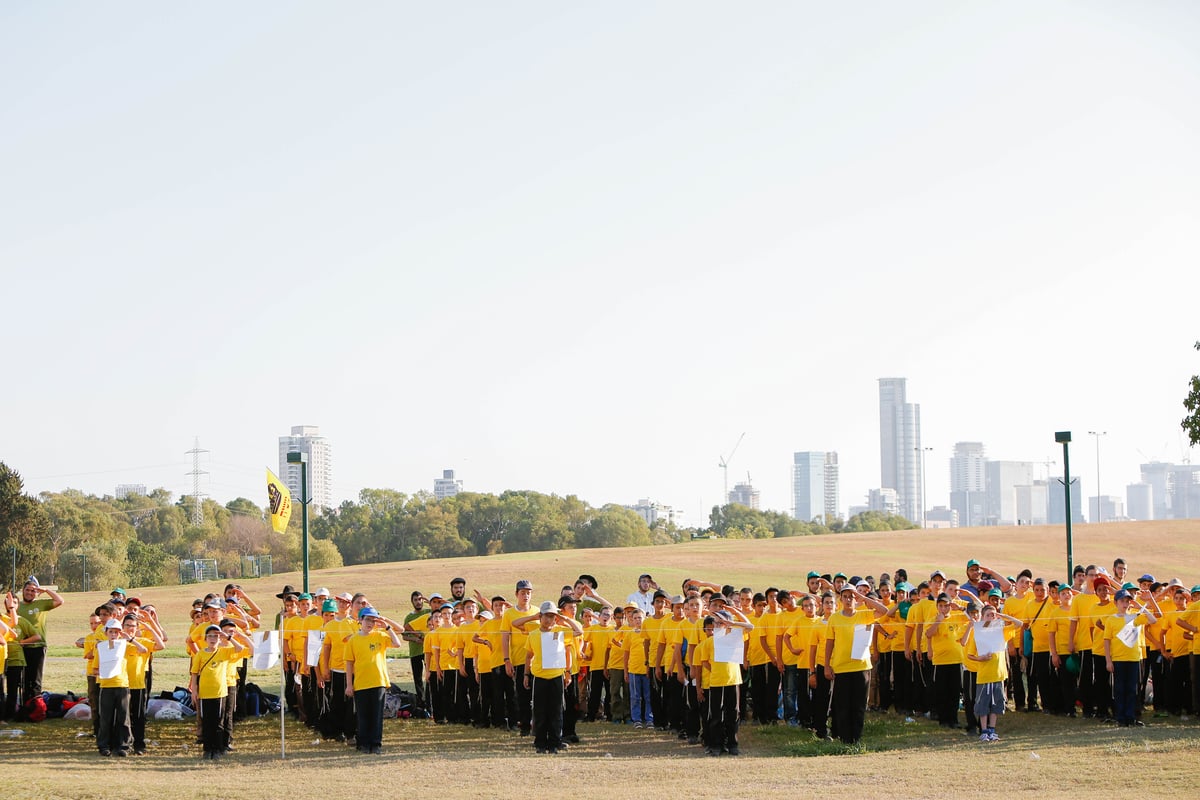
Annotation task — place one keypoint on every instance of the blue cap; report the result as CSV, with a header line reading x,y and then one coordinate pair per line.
x,y
367,612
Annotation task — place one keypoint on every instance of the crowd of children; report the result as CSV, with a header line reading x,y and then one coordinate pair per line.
x,y
696,664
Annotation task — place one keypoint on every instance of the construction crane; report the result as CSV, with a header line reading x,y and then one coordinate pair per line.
x,y
724,465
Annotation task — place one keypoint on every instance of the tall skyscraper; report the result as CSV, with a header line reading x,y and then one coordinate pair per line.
x,y
815,486
308,439
900,447
968,483
1003,478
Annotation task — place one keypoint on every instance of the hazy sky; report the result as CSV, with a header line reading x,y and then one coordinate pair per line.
x,y
580,248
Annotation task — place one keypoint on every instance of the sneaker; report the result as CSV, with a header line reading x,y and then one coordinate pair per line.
x,y
909,720
637,725
711,751
992,737
985,737
106,753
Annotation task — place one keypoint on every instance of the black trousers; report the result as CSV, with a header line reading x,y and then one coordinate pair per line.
x,y
759,683
504,698
820,704
524,698
1195,675
1016,678
368,703
1044,683
1099,700
598,695
969,685
692,717
658,697
114,731
676,701
884,674
469,689
721,728
437,708
35,660
947,679
14,677
546,711
1066,687
850,705
418,671
340,721
93,693
570,704
1181,685
227,712
137,718
212,732
902,682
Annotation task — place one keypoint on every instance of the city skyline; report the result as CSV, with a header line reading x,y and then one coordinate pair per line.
x,y
470,237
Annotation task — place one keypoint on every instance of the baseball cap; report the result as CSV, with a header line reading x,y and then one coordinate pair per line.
x,y
322,592
995,593
345,597
1146,577
524,584
937,573
677,600
367,611
112,623
812,573
1122,595
329,607
972,563
547,607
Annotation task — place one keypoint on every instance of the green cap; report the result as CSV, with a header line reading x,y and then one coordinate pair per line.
x,y
1196,589
812,573
972,563
329,607
1129,587
305,596
995,593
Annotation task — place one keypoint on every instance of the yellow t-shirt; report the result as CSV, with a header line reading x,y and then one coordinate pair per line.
x,y
1100,615
231,666
369,654
800,635
597,638
652,627
820,635
210,667
891,632
137,662
121,680
466,639
1060,628
635,644
1177,644
517,641
1191,615
994,670
488,658
785,621
616,649
1112,628
766,628
89,649
1083,607
922,613
336,632
1039,627
693,634
945,640
718,673
295,631
841,631
533,646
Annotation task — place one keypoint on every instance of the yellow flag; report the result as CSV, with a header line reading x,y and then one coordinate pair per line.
x,y
279,501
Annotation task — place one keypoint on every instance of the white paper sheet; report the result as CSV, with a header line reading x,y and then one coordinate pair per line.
x,y
554,650
112,657
266,649
860,648
990,639
1129,633
312,650
728,646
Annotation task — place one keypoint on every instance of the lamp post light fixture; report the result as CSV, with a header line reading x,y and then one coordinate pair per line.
x,y
302,459
1099,504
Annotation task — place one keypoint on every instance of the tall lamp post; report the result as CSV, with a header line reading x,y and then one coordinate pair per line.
x,y
1099,502
302,460
1064,438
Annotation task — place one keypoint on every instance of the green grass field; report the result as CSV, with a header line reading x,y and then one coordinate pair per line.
x,y
1037,753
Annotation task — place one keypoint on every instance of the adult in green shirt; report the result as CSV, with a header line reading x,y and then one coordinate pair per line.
x,y
34,609
14,667
416,623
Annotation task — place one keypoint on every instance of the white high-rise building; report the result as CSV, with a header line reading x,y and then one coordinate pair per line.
x,y
815,486
1003,478
968,483
900,447
1139,500
447,485
308,439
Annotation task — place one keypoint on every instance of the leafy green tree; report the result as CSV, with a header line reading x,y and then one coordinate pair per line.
x,y
24,526
1191,423
614,526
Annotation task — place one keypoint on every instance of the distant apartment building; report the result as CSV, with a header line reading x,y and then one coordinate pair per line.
x,y
941,517
1174,489
968,483
447,485
1139,501
1056,505
1105,508
1003,478
127,489
308,439
884,499
900,447
815,486
652,512
746,495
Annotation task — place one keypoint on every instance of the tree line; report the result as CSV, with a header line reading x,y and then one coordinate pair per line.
x,y
77,540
